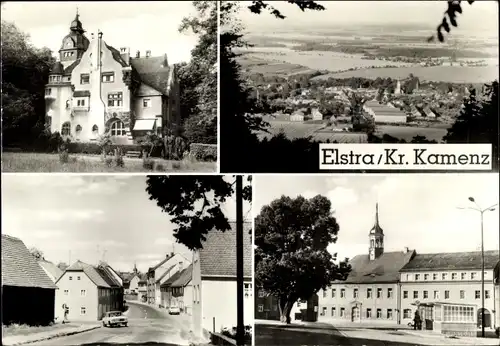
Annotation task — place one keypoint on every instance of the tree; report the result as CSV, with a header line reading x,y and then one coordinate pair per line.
x,y
62,266
291,257
25,72
36,253
194,204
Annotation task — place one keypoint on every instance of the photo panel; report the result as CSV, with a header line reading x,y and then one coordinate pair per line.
x,y
167,258
86,92
377,259
340,86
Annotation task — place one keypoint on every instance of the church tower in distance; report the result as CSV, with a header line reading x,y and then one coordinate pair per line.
x,y
376,238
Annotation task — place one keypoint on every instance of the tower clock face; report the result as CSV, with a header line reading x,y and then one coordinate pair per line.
x,y
68,43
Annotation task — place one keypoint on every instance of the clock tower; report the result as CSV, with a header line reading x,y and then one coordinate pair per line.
x,y
74,44
376,238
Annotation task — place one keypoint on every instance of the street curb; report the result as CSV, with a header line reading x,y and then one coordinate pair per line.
x,y
52,336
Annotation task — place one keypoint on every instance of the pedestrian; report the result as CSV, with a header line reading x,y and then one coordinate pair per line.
x,y
417,321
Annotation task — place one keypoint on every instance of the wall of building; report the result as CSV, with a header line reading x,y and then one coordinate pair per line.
x,y
219,303
148,112
57,107
134,284
327,302
187,299
197,311
74,282
392,119
33,306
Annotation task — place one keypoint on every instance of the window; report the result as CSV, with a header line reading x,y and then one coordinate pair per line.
x,y
478,294
66,292
463,276
407,277
66,131
462,294
118,128
405,294
78,277
487,294
146,103
95,130
454,276
389,314
323,311
334,312
389,293
261,293
415,294
458,313
434,276
342,312
355,293
407,313
417,277
436,294
324,294
83,293
78,130
379,293
426,277
108,77
379,313
48,91
473,276
426,295
248,290
446,294
368,293
115,99
342,293
83,310
444,276
368,313
334,292
84,78
80,103
261,308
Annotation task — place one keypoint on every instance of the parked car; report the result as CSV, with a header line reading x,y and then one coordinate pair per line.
x,y
174,310
114,318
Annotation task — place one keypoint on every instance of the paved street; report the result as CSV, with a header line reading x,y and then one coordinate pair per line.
x,y
146,324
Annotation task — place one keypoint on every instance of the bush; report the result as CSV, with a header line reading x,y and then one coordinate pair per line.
x,y
95,149
119,158
148,164
203,152
109,161
159,167
64,156
176,165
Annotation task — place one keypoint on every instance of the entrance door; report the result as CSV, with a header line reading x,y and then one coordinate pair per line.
x,y
487,318
355,315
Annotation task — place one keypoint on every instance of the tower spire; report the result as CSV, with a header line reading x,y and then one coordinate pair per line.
x,y
376,214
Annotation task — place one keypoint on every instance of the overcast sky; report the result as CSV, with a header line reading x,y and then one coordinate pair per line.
x,y
481,14
139,25
415,211
88,214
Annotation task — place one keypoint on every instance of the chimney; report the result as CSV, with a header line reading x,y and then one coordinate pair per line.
x,y
181,264
138,54
125,54
148,53
405,250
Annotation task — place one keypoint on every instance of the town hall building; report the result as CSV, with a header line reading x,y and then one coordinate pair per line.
x,y
94,89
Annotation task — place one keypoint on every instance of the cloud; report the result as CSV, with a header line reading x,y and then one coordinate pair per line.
x,y
333,182
341,197
68,214
309,194
112,243
163,241
46,234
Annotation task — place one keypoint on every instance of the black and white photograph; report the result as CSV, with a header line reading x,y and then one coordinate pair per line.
x,y
126,260
377,260
297,74
109,86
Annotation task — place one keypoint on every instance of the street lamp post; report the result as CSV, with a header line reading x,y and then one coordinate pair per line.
x,y
482,211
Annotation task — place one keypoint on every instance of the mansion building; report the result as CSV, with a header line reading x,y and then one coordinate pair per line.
x,y
95,89
388,287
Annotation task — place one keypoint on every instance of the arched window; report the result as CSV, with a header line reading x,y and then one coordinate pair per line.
x,y
118,128
78,129
66,129
95,130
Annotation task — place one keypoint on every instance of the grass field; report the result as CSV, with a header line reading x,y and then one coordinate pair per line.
x,y
341,137
408,132
291,129
38,162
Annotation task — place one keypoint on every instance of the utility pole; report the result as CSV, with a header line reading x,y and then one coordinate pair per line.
x,y
240,327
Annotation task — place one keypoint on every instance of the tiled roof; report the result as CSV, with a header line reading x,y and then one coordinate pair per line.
x,y
116,55
107,274
19,267
171,279
70,68
383,269
218,256
153,71
165,274
184,278
81,93
452,260
169,256
100,276
57,68
51,268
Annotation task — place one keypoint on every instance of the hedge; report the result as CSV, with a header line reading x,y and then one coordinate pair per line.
x,y
203,152
94,149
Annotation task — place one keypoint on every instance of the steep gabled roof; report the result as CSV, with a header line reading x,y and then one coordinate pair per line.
x,y
100,276
451,261
169,256
153,71
218,256
51,269
382,269
171,279
70,68
165,274
184,277
116,55
20,268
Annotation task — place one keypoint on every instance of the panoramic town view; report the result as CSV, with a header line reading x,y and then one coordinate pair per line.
x,y
142,104
105,260
377,260
358,72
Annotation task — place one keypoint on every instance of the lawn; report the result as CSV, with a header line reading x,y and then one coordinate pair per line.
x,y
408,132
39,162
291,129
23,329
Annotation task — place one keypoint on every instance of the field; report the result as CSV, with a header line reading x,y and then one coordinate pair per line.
x,y
38,162
291,129
340,137
451,74
408,132
254,64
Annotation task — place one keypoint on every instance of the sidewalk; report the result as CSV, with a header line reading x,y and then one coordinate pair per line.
x,y
69,329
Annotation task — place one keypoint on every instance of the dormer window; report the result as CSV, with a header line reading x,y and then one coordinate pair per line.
x,y
84,78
